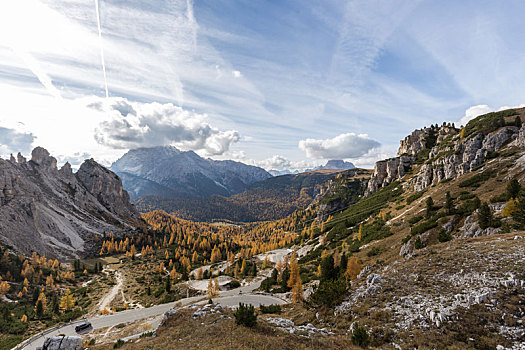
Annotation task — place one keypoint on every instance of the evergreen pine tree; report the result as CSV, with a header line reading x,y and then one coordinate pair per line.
x,y
484,216
449,203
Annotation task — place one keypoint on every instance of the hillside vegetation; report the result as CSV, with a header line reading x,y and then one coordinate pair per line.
x,y
271,199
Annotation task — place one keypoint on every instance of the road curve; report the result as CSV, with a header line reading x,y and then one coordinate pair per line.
x,y
227,298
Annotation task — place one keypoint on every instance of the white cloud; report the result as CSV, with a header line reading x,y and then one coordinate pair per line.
x,y
73,159
349,145
134,125
13,141
473,112
476,111
276,162
237,74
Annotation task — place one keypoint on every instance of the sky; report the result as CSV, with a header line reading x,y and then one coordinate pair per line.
x,y
278,84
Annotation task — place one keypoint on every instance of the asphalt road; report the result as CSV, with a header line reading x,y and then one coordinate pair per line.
x,y
226,298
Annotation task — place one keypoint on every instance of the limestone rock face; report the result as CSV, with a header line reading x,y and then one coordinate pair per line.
x,y
54,212
388,171
520,139
446,160
106,186
41,157
413,143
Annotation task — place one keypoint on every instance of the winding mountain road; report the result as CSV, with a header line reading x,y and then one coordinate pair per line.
x,y
226,298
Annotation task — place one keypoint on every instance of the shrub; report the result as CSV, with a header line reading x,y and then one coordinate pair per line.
x,y
329,292
360,336
418,244
477,180
499,198
423,227
271,309
235,284
415,219
444,236
119,343
415,196
245,315
373,252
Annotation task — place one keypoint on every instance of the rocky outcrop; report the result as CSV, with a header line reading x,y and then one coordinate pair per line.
x,y
520,138
63,343
340,191
106,186
388,171
448,156
413,143
41,157
56,212
450,162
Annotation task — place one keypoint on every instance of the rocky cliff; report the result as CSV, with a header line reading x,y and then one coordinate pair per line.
x,y
56,212
340,191
435,154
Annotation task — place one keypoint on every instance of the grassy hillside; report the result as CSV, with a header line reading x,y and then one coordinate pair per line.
x,y
271,199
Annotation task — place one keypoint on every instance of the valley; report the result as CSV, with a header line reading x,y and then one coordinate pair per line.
x,y
427,250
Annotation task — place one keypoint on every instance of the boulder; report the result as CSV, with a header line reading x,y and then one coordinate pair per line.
x,y
63,343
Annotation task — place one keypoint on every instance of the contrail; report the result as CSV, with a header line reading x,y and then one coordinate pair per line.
x,y
101,49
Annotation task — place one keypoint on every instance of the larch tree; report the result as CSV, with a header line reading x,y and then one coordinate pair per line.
x,y
67,302
353,268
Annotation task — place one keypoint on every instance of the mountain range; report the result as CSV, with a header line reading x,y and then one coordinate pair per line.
x,y
171,173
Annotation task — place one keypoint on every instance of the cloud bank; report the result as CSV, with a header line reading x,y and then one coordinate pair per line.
x,y
12,141
349,145
474,112
133,125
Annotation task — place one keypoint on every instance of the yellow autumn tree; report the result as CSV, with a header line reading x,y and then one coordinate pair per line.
x,y
4,288
510,208
266,263
199,273
360,232
295,281
67,301
353,268
212,292
42,298
24,318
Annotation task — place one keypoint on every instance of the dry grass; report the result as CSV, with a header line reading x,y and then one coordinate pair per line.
x,y
218,331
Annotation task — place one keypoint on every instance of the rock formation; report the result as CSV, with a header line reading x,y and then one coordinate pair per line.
x,y
56,212
443,155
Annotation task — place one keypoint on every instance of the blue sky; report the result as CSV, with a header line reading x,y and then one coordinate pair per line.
x,y
280,84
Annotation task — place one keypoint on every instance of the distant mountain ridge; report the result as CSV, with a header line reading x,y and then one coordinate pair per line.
x,y
168,172
270,199
333,164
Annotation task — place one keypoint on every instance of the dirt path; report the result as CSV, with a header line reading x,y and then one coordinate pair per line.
x,y
108,298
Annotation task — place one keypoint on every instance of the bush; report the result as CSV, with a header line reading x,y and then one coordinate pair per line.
x,y
477,180
118,344
415,219
444,236
373,252
235,284
245,315
360,336
423,227
271,309
329,292
415,196
418,244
